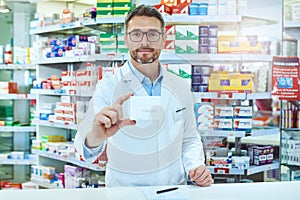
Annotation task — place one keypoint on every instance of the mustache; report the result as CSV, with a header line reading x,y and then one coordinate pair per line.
x,y
145,48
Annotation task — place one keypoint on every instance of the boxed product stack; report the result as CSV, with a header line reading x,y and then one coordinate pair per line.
x,y
261,155
227,82
208,39
121,47
239,44
200,77
223,118
107,8
108,43
242,118
170,39
204,116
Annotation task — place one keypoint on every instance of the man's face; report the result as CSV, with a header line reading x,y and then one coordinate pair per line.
x,y
144,39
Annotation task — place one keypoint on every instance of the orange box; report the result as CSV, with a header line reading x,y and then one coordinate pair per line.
x,y
169,2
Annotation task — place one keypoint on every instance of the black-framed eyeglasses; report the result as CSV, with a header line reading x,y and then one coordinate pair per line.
x,y
137,36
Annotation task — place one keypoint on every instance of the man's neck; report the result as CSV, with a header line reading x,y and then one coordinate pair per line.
x,y
149,70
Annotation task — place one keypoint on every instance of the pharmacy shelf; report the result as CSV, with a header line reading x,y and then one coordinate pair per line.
x,y
291,129
216,95
252,169
55,93
56,124
60,60
259,95
56,28
214,58
179,19
273,139
18,66
254,133
220,133
291,30
48,92
18,96
45,183
233,96
17,129
264,131
74,161
262,168
292,24
18,162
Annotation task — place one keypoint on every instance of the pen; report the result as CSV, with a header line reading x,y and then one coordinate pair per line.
x,y
180,109
166,190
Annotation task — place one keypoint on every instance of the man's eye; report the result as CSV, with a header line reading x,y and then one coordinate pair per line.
x,y
136,34
152,34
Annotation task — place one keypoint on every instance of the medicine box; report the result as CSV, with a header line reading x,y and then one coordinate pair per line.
x,y
71,174
230,82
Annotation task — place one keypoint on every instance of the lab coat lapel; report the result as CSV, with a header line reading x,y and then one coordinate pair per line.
x,y
131,82
166,90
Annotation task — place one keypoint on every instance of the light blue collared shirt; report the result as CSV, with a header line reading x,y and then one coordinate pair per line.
x,y
152,89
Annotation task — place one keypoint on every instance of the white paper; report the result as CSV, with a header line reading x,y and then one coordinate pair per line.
x,y
145,108
150,194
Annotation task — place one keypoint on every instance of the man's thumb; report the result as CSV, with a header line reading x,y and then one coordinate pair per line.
x,y
126,122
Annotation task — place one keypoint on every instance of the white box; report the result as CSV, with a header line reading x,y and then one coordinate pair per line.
x,y
145,108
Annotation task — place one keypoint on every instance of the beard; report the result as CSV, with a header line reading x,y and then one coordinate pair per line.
x,y
145,55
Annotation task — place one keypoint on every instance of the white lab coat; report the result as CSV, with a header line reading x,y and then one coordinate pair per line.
x,y
156,152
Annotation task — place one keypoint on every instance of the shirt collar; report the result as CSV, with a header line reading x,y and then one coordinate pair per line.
x,y
141,77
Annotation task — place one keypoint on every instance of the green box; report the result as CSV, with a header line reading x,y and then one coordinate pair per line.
x,y
120,11
105,13
108,50
108,37
104,5
122,50
122,4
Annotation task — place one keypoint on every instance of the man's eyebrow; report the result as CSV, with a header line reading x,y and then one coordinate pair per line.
x,y
151,29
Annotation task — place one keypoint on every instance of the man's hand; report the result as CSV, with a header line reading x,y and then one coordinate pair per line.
x,y
107,122
201,176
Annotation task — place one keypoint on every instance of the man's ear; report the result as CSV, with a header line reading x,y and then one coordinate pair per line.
x,y
126,39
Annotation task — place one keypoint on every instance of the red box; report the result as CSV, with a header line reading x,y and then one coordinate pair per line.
x,y
181,9
13,87
163,8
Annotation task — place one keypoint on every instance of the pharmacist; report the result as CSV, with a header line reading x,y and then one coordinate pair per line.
x,y
143,115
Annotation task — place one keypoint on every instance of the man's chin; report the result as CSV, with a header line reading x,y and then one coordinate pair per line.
x,y
142,59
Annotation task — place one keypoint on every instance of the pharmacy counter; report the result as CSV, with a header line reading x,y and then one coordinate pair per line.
x,y
234,191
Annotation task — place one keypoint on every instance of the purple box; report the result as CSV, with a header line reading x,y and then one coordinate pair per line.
x,y
262,155
71,174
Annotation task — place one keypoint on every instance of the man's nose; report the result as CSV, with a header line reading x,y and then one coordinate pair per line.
x,y
145,39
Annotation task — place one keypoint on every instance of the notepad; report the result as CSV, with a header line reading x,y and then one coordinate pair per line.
x,y
150,194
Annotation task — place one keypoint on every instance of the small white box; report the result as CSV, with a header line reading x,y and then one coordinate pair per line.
x,y
145,108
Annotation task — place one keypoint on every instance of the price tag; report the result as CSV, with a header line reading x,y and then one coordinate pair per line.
x,y
111,56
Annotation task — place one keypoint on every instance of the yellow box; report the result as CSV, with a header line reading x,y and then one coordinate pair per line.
x,y
239,44
230,82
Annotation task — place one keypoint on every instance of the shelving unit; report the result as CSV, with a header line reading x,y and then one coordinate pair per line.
x,y
19,136
289,135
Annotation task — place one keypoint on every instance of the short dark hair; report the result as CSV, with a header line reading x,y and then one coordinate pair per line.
x,y
145,10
